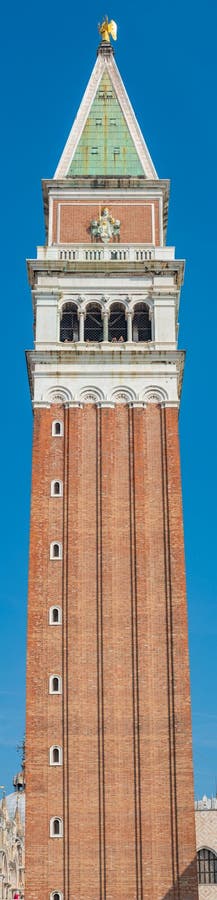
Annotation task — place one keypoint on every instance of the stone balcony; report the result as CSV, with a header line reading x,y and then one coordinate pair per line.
x,y
99,253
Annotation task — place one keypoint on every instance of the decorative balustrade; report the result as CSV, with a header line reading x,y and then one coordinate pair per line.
x,y
109,253
105,254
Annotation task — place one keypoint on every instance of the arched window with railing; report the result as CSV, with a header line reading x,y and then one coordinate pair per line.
x,y
69,323
117,328
206,866
141,323
93,325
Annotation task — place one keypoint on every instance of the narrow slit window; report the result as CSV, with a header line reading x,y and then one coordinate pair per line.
x,y
56,827
55,615
56,756
57,429
55,550
55,684
56,488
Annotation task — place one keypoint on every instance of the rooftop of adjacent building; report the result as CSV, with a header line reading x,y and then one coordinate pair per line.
x,y
15,802
207,803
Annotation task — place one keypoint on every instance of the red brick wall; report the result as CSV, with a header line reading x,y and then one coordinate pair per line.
x,y
71,220
124,717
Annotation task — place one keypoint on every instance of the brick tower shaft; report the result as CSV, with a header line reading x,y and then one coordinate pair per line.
x,y
108,698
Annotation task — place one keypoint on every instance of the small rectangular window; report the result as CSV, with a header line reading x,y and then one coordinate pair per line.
x,y
116,151
98,121
94,151
113,122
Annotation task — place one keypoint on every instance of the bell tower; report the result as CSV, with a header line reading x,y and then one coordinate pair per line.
x,y
108,747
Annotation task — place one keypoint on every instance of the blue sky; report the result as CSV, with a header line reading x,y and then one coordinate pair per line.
x,y
165,53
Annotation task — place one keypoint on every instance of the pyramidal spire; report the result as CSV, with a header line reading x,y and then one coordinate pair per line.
x,y
105,138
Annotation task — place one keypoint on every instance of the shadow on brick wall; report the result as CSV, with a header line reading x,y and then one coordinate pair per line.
x,y
188,886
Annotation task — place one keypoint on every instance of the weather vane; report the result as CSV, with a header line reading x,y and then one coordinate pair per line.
x,y
107,28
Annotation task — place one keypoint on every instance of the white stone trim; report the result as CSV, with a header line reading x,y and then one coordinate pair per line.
x,y
59,394
106,404
52,820
155,394
52,895
55,747
139,404
75,299
161,228
51,677
95,195
71,145
170,403
91,395
75,404
56,544
123,394
92,203
50,221
55,606
52,486
54,423
152,222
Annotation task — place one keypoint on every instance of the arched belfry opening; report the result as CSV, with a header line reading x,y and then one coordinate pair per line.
x,y
117,323
93,326
141,323
69,323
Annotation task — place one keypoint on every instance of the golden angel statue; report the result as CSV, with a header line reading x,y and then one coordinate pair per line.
x,y
108,28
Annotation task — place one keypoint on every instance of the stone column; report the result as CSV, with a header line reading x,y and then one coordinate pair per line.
x,y
152,320
105,315
81,325
129,324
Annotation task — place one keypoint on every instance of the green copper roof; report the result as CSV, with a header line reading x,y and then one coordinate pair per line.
x,y
106,146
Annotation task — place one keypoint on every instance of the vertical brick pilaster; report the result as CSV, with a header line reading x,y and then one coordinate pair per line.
x,y
125,790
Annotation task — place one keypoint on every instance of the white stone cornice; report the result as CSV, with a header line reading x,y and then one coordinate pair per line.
x,y
105,373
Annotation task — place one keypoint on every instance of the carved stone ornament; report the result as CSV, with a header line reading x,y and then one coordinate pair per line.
x,y
123,395
105,228
91,395
59,395
58,398
155,395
